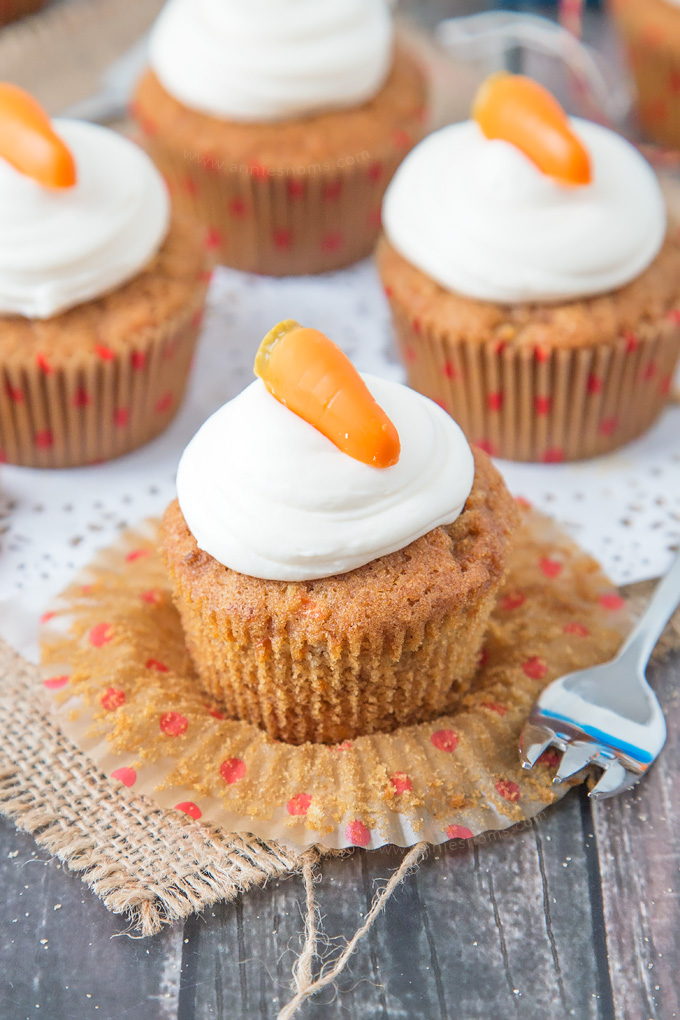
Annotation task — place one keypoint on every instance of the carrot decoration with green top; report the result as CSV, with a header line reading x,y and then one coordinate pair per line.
x,y
311,376
29,143
518,110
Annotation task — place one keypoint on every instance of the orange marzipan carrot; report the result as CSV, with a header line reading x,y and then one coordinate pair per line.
x,y
28,141
518,110
312,377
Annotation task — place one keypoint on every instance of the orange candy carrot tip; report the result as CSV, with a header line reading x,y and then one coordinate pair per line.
x,y
312,377
518,110
29,143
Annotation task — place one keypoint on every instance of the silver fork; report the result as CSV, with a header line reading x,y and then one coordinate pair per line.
x,y
607,715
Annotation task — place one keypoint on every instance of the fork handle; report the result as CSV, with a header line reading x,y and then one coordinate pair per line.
x,y
641,641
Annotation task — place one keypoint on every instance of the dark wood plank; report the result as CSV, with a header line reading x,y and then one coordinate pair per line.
x,y
638,842
505,927
60,959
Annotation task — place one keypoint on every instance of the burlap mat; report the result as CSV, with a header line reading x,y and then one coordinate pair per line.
x,y
156,866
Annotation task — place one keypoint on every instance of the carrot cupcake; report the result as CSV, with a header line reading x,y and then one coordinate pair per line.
x,y
534,291
279,125
100,295
651,32
335,576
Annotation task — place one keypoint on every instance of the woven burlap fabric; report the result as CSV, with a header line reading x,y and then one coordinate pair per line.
x,y
153,865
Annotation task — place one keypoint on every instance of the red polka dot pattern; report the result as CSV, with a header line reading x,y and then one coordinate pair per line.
x,y
551,568
125,775
44,440
160,667
445,740
576,628
100,635
332,242
494,706
357,834
299,804
112,698
232,770
508,790
213,239
282,238
513,601
237,208
189,808
152,597
173,724
612,600
136,554
458,832
535,668
401,783
54,683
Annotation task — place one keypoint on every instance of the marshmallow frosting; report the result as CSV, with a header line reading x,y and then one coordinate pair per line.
x,y
482,220
60,247
264,60
266,494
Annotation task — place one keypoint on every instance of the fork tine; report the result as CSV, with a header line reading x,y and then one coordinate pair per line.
x,y
576,757
615,778
533,741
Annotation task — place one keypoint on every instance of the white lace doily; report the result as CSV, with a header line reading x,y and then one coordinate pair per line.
x,y
624,509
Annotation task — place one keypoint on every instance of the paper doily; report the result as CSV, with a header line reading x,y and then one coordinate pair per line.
x,y
125,691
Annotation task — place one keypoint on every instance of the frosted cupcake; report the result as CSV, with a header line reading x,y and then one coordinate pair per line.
x,y
100,295
534,291
651,32
279,125
334,578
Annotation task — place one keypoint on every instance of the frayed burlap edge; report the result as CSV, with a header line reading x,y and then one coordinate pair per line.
x,y
153,865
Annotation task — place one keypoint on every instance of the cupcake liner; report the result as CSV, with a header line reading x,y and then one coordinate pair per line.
x,y
288,220
121,683
79,408
544,404
651,32
360,688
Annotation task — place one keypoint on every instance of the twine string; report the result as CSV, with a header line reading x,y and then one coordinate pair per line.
x,y
304,985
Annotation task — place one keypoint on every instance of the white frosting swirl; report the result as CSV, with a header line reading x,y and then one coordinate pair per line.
x,y
267,494
60,247
262,60
482,220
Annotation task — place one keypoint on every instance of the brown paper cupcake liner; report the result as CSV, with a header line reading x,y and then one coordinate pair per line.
x,y
122,684
288,220
90,406
544,404
651,33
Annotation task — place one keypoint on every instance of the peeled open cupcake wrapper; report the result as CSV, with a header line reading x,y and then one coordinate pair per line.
x,y
122,686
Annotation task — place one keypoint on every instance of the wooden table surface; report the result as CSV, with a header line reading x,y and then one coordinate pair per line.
x,y
576,914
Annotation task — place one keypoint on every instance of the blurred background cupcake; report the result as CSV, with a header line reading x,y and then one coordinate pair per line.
x,y
12,10
280,126
100,293
535,294
651,33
